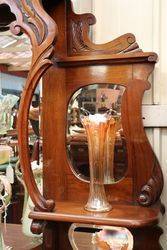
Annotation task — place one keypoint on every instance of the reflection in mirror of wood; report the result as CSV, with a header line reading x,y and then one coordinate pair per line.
x,y
90,237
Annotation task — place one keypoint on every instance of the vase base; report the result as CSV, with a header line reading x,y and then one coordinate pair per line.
x,y
98,209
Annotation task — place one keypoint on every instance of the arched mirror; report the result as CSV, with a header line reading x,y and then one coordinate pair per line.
x,y
90,100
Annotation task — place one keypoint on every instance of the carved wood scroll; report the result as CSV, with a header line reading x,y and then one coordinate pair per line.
x,y
79,42
151,191
42,31
147,173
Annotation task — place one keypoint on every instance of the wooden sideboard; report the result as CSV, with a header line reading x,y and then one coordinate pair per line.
x,y
60,41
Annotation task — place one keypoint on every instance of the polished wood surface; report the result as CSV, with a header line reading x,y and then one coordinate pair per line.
x,y
142,162
95,59
74,212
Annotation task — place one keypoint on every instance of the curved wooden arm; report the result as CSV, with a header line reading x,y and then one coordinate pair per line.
x,y
42,31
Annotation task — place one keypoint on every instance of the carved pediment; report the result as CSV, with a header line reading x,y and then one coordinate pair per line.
x,y
79,42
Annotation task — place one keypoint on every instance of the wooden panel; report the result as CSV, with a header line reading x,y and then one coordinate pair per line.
x,y
78,190
54,112
56,93
82,76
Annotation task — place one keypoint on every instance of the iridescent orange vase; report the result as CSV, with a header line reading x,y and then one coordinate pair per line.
x,y
109,150
96,127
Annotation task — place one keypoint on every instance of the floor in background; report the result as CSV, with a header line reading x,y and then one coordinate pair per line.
x,y
14,237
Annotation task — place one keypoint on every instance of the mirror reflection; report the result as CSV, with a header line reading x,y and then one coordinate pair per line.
x,y
93,237
92,100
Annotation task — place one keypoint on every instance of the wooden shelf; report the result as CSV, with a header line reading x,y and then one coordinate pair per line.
x,y
137,57
121,215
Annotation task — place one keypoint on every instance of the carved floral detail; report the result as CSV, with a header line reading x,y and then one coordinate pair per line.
x,y
78,43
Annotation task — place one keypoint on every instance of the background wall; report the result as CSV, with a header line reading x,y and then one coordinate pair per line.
x,y
147,19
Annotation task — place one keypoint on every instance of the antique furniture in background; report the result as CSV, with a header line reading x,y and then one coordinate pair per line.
x,y
5,197
75,63
8,163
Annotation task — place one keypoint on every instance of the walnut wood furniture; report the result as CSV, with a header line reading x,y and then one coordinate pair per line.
x,y
60,41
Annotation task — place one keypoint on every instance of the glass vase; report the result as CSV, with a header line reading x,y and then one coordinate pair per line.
x,y
96,127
